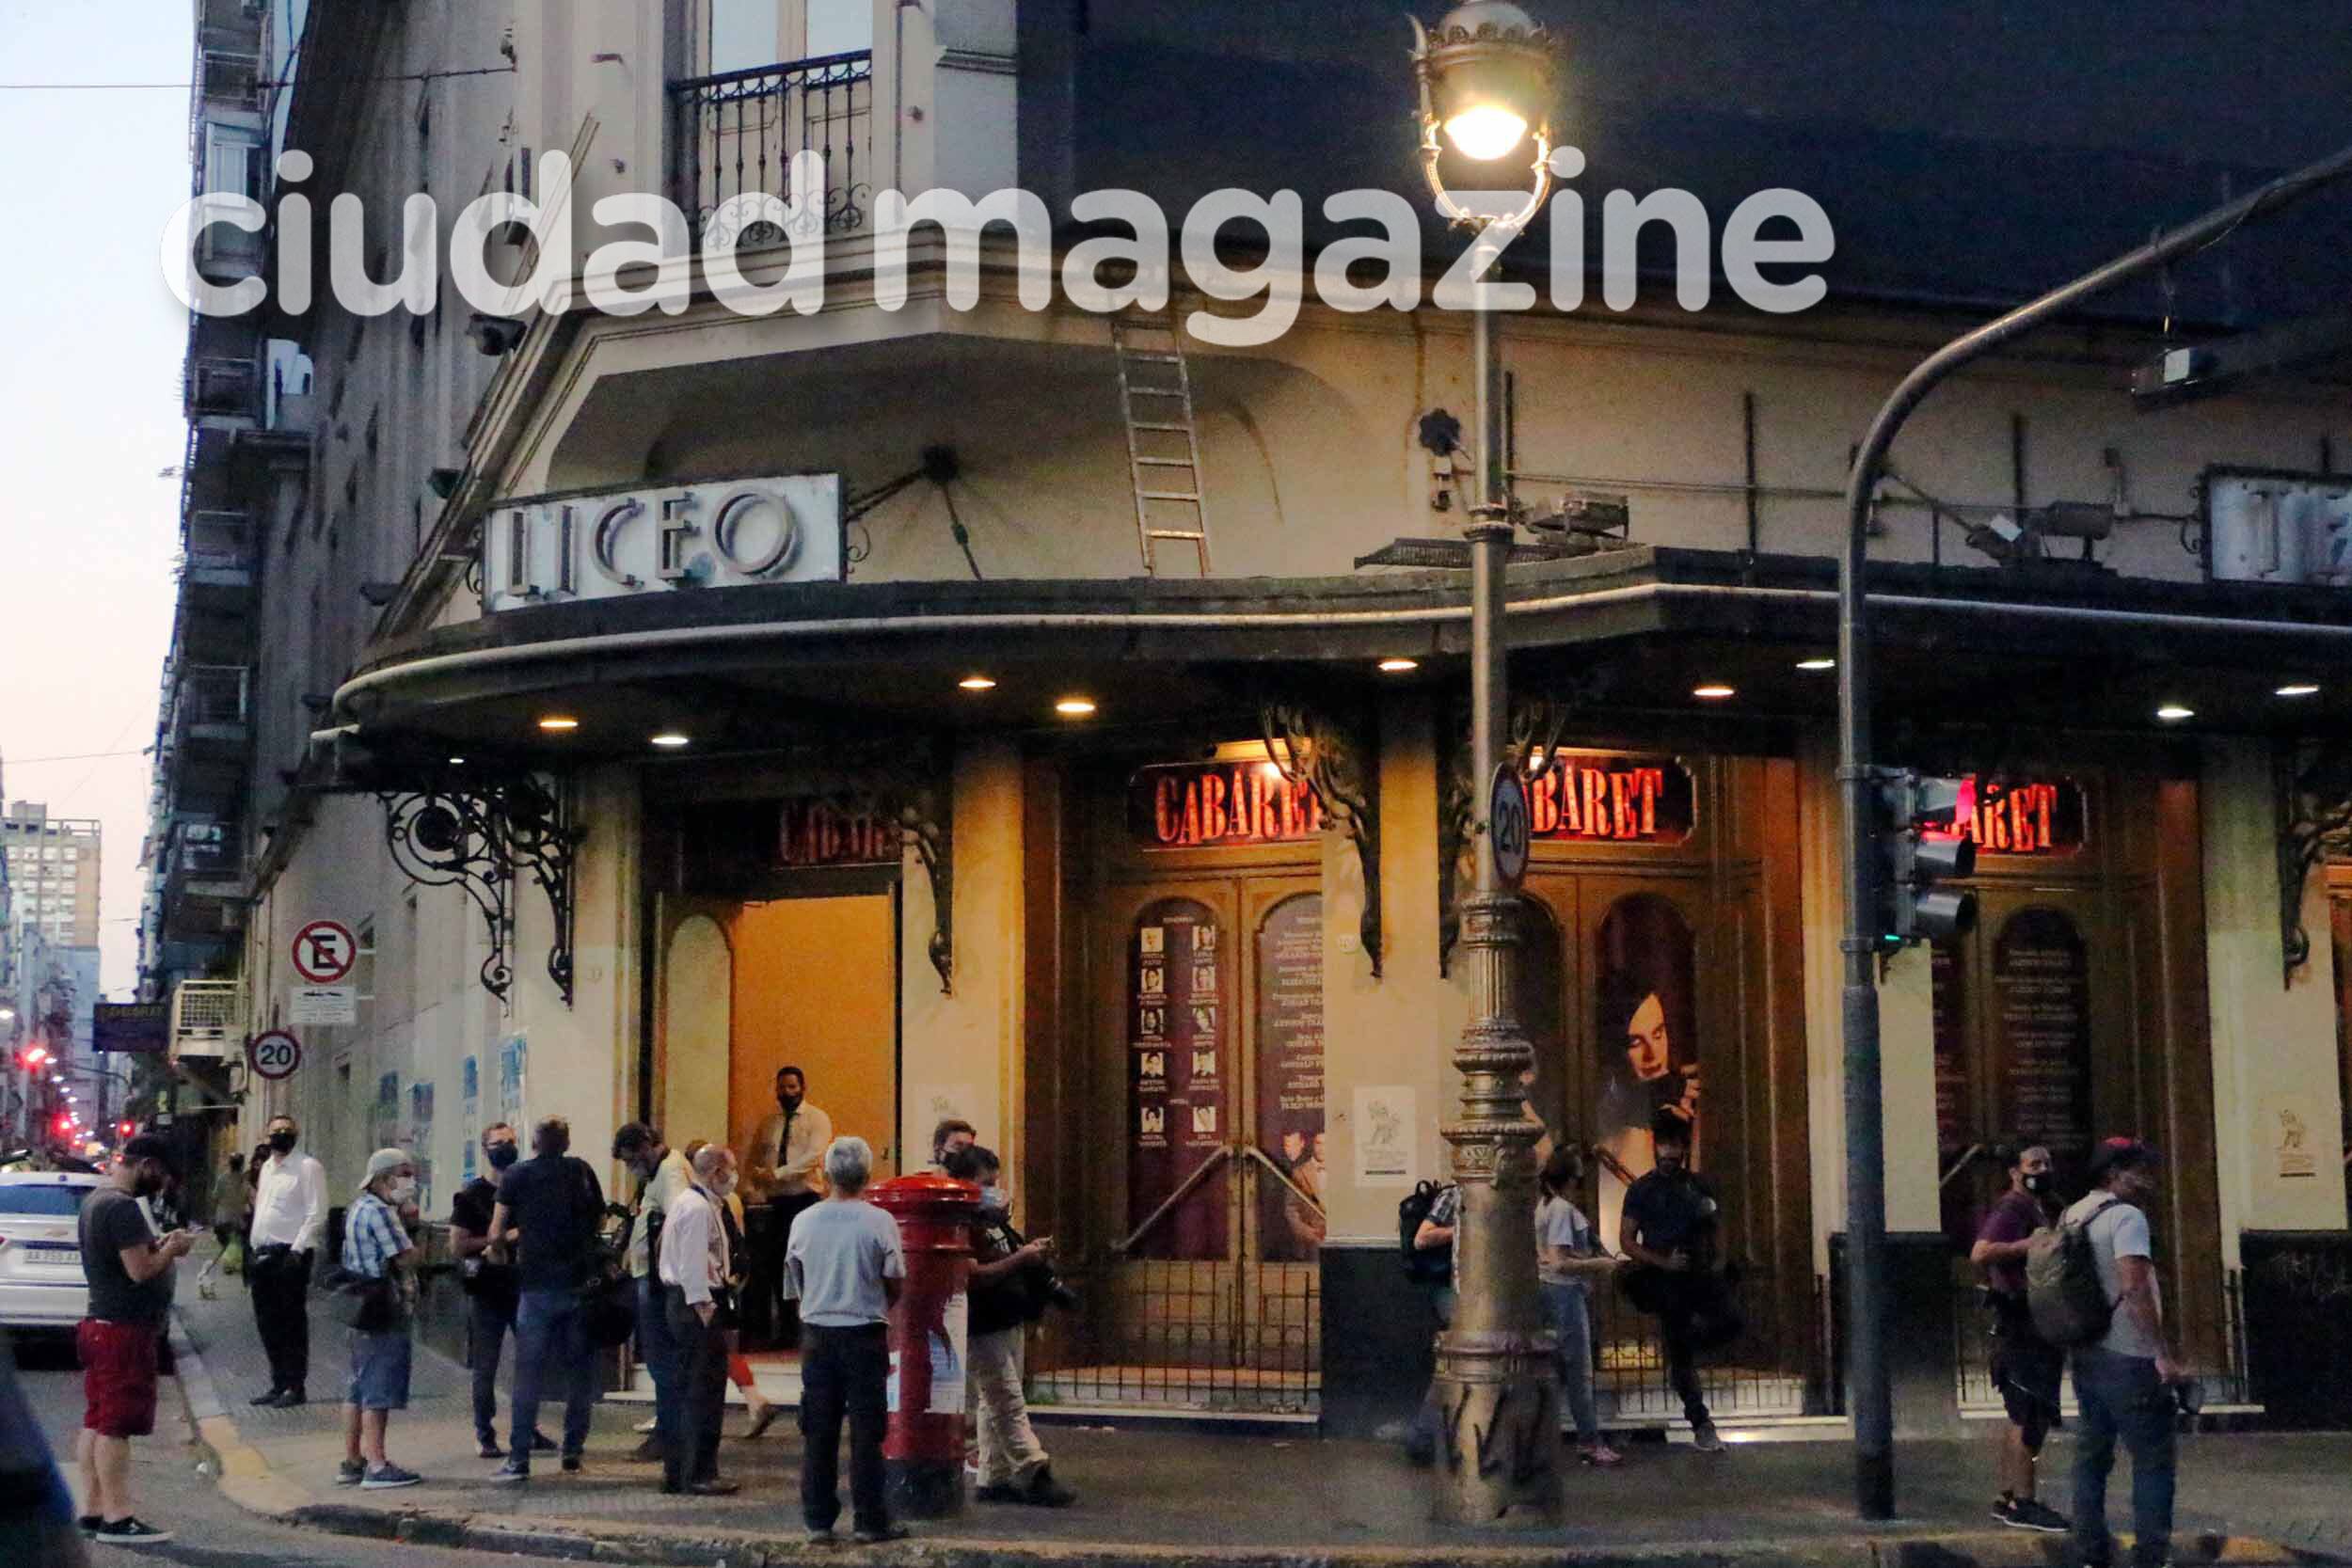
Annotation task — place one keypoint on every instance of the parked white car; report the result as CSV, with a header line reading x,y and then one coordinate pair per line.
x,y
41,1282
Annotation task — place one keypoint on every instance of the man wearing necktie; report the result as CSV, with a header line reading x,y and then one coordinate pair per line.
x,y
782,1167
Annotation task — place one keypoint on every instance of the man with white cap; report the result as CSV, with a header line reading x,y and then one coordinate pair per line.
x,y
376,1248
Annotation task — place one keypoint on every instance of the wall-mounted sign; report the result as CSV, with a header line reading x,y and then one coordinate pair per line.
x,y
329,1005
811,833
1194,805
2042,991
606,544
2025,817
1507,821
1586,797
132,1028
276,1054
721,842
323,951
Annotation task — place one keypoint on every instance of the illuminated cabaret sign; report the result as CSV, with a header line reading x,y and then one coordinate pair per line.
x,y
1589,798
1216,805
2039,816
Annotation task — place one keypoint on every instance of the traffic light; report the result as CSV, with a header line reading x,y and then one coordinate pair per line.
x,y
35,1056
1910,861
65,1123
122,1129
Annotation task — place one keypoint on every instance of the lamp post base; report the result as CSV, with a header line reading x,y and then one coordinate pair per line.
x,y
1498,1428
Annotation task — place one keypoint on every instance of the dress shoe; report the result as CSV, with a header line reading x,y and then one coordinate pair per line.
x,y
762,1418
714,1488
875,1537
270,1398
289,1400
647,1452
572,1462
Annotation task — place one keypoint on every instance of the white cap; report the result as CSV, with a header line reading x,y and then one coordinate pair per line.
x,y
383,1161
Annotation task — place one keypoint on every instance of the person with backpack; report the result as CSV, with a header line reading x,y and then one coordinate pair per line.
x,y
549,1211
2125,1371
1426,1221
2026,1368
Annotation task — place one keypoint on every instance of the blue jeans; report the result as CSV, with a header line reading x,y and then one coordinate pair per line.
x,y
2120,1396
1568,1306
658,1349
551,1340
1421,1436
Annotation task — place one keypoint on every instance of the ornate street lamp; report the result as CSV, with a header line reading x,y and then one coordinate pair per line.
x,y
1485,80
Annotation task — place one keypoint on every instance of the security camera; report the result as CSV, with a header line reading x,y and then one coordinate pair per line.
x,y
495,336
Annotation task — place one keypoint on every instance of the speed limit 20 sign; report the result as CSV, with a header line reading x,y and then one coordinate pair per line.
x,y
323,951
275,1055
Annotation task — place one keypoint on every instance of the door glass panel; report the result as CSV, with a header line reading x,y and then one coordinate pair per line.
x,y
743,34
2041,997
1289,1072
1177,1100
839,26
1644,991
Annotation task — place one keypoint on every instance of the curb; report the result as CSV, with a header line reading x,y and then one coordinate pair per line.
x,y
245,1479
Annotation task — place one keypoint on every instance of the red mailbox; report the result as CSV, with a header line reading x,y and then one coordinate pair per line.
x,y
929,1336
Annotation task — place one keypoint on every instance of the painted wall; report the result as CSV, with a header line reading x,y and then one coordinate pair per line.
x,y
2274,1046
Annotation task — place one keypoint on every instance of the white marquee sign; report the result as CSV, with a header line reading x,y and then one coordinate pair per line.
x,y
605,544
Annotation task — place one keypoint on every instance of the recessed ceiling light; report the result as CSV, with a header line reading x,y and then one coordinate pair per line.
x,y
976,683
1074,707
1398,666
671,738
1815,666
457,762
1715,693
2173,713
2299,689
559,723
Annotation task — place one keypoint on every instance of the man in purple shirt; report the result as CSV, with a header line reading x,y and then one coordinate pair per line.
x,y
2026,1368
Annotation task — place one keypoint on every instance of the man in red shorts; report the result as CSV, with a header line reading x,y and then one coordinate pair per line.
x,y
130,1290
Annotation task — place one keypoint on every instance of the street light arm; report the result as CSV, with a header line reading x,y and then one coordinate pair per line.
x,y
1866,1129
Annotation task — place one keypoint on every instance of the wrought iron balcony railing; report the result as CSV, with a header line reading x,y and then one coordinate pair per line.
x,y
736,134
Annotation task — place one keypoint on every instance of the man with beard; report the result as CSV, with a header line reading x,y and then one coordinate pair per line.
x,y
2027,1368
1670,1232
781,1167
130,1290
289,1217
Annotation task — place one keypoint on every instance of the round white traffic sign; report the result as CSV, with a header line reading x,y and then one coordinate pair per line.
x,y
275,1055
324,952
1507,821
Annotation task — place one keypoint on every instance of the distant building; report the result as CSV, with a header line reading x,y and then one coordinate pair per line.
x,y
53,868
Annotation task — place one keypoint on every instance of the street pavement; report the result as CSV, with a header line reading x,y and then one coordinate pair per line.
x,y
211,1530
1163,1493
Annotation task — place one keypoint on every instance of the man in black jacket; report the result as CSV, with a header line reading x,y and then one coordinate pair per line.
x,y
491,1290
546,1222
1009,1280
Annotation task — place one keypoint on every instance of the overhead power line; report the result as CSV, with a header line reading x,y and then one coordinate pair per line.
x,y
77,756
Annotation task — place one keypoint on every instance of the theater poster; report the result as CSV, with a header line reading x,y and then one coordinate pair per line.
x,y
1179,1098
1646,999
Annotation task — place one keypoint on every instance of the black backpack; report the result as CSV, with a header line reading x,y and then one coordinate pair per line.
x,y
1423,1265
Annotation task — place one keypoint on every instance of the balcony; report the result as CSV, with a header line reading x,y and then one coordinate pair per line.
x,y
736,134
209,708
216,566
219,387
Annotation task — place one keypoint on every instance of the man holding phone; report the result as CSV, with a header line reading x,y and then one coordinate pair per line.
x,y
130,1290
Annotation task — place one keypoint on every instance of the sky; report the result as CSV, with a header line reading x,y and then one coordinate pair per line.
x,y
89,413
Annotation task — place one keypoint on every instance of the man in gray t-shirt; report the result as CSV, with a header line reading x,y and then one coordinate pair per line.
x,y
846,1266
2123,1382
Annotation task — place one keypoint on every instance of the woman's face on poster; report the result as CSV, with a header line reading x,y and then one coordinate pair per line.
x,y
1648,1050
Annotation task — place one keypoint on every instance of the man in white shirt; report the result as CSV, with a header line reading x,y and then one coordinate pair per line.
x,y
781,1168
289,1217
662,1174
693,1269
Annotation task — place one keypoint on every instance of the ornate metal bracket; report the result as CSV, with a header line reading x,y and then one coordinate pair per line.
x,y
2314,789
1332,759
906,790
474,834
1536,727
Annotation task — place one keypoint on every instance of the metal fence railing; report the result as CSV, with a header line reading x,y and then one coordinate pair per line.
x,y
1972,1355
736,134
1777,1367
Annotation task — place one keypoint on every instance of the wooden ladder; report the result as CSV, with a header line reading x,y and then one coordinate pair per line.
x,y
1163,444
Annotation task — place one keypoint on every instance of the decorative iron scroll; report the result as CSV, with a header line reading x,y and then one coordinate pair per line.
x,y
1536,725
904,790
2314,788
1332,759
476,833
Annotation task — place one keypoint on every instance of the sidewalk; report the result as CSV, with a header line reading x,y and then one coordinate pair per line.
x,y
1157,1494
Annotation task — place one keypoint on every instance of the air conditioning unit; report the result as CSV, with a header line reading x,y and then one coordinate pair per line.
x,y
2284,528
223,387
207,1019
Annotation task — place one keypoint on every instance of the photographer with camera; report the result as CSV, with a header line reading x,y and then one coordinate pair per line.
x,y
1012,1282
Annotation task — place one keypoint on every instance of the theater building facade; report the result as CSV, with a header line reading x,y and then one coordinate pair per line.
x,y
793,690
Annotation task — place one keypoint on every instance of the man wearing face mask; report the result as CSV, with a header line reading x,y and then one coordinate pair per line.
x,y
1670,1229
1010,1282
289,1217
546,1224
779,1167
130,1291
662,1175
377,1246
695,1263
491,1290
2026,1368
